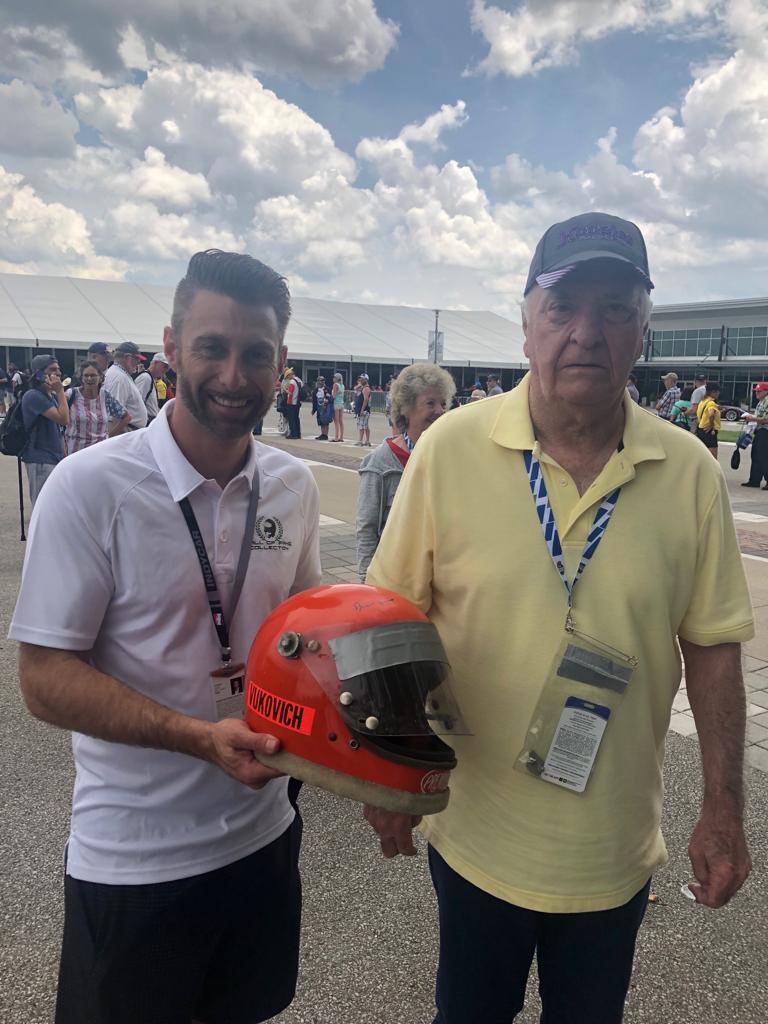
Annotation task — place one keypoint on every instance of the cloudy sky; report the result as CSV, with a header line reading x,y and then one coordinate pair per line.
x,y
383,150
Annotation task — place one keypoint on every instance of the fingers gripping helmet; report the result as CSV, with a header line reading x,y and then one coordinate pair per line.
x,y
354,682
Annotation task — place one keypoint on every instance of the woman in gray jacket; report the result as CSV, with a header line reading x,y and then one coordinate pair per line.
x,y
420,395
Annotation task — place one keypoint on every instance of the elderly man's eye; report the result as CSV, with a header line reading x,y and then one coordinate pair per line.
x,y
619,312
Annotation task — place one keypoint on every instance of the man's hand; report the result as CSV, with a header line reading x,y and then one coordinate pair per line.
x,y
234,748
394,830
720,859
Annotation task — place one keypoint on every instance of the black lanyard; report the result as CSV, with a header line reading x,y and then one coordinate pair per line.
x,y
211,587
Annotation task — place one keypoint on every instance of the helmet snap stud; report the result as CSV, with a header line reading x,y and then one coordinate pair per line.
x,y
314,646
289,645
346,699
372,723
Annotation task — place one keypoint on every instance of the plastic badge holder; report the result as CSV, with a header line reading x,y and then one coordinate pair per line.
x,y
584,690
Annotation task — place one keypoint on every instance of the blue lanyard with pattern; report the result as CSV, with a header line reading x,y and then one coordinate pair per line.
x,y
407,441
552,537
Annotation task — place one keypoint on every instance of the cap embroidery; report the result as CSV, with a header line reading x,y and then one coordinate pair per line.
x,y
595,231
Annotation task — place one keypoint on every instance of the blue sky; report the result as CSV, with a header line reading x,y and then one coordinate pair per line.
x,y
380,150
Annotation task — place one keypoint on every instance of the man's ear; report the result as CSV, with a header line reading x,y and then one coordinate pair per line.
x,y
169,347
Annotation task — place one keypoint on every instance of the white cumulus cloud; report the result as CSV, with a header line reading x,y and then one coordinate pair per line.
x,y
322,42
539,34
34,123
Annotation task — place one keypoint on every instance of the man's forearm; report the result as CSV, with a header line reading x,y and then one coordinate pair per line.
x,y
62,689
716,694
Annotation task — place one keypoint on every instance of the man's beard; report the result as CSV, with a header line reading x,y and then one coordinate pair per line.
x,y
201,411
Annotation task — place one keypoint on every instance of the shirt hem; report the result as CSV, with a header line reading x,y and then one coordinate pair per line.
x,y
734,635
541,902
152,876
46,638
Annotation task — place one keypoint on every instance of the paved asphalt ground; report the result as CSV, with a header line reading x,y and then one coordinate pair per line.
x,y
369,945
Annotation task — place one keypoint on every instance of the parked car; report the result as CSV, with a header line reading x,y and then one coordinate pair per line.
x,y
731,412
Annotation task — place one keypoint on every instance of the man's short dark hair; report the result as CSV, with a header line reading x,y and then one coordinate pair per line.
x,y
237,275
712,388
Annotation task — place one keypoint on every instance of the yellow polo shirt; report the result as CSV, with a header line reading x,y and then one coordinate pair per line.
x,y
702,413
463,542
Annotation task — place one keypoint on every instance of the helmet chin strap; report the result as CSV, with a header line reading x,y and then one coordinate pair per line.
x,y
356,789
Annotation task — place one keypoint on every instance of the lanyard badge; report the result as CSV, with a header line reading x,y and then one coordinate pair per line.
x,y
227,678
588,679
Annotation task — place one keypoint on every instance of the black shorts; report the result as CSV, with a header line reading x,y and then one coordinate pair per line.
x,y
709,437
221,947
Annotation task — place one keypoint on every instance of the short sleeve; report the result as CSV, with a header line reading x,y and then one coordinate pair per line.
x,y
309,572
33,404
720,611
115,410
67,582
404,558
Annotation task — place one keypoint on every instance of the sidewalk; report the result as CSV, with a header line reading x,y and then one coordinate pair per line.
x,y
369,944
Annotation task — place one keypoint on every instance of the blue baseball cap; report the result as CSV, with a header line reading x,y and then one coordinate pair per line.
x,y
589,236
99,348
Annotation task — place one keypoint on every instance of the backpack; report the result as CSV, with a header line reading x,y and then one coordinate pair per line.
x,y
13,434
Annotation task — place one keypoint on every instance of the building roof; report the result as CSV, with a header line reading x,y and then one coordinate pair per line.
x,y
73,312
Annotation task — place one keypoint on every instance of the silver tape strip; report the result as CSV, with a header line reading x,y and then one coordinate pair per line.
x,y
594,669
397,643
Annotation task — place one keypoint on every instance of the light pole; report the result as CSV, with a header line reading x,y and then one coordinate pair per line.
x,y
437,321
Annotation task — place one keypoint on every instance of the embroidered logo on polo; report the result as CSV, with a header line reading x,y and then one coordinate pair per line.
x,y
268,535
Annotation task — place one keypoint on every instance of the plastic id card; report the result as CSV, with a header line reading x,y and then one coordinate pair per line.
x,y
585,687
574,748
228,691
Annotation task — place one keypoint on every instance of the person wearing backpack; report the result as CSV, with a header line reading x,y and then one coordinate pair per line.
x,y
681,408
44,411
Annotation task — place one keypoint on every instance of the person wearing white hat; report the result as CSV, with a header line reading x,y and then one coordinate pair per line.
x,y
670,396
158,369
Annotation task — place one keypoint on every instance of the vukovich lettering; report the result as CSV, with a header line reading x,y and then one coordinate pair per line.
x,y
298,717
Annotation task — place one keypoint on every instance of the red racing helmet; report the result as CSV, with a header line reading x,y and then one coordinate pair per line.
x,y
355,683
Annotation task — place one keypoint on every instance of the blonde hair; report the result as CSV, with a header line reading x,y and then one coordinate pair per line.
x,y
412,382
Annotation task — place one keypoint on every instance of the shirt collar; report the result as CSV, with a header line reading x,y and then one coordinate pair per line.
x,y
513,428
180,475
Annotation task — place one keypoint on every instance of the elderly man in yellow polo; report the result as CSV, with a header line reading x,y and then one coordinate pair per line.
x,y
565,594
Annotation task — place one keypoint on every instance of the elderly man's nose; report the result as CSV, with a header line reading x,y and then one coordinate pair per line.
x,y
587,325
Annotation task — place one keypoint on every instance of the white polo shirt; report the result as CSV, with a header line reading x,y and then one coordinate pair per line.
x,y
127,585
120,384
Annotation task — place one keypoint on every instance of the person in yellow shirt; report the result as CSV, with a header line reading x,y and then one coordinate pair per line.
x,y
158,367
566,650
708,418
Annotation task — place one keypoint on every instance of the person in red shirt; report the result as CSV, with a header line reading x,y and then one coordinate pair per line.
x,y
420,395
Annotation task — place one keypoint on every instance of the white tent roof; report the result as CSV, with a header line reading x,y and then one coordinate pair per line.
x,y
73,312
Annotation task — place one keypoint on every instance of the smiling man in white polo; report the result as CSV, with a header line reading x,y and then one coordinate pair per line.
x,y
566,652
182,893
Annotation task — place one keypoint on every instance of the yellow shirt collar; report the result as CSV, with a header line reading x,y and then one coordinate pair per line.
x,y
513,428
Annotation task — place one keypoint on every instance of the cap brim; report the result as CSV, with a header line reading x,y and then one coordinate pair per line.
x,y
567,265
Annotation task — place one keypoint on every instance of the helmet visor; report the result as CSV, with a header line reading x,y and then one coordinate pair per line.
x,y
402,700
390,680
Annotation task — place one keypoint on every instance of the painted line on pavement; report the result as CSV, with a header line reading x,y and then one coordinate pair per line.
x,y
330,521
327,465
750,517
754,558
